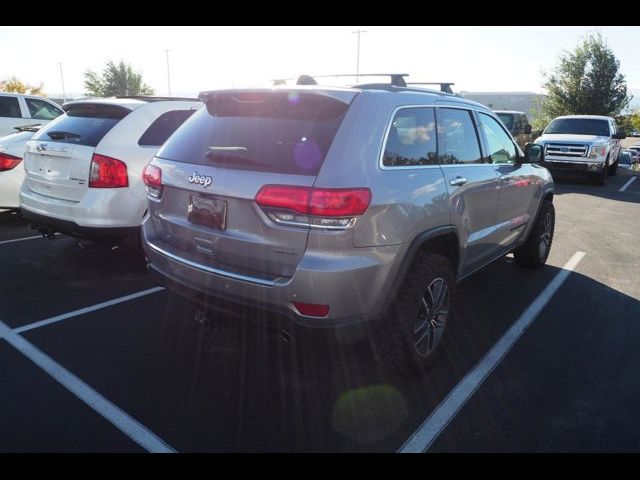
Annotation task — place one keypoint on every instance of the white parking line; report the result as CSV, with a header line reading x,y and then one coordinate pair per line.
x,y
112,413
82,311
426,434
624,187
22,239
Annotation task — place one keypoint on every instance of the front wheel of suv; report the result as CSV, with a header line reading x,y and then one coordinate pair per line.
x,y
408,339
535,251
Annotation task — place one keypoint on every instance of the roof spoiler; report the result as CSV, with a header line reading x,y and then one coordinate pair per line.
x,y
154,98
28,128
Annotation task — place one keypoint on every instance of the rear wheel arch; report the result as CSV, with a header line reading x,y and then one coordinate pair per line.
x,y
440,240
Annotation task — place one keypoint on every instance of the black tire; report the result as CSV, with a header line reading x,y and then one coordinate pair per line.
x,y
601,179
613,169
393,339
532,254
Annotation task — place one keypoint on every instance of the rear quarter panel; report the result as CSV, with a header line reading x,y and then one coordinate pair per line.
x,y
405,202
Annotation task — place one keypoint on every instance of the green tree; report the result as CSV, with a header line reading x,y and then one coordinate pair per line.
x,y
13,84
116,80
587,81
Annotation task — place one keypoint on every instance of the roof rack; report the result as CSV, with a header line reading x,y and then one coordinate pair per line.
x,y
154,98
444,86
397,79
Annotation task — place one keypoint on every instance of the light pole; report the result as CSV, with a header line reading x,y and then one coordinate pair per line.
x,y
64,96
358,32
168,76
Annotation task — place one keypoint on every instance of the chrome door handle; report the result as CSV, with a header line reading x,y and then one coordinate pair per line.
x,y
458,181
506,178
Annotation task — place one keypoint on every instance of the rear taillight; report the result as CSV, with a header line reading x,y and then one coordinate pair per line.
x,y
332,208
8,162
152,177
107,172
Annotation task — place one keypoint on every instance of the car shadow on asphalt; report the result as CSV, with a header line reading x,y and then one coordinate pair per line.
x,y
610,191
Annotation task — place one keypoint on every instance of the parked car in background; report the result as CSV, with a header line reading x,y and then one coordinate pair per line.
x,y
627,161
635,148
635,154
333,207
17,109
11,166
518,124
84,169
582,145
635,133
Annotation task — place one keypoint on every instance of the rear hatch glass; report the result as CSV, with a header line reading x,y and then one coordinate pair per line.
x,y
283,132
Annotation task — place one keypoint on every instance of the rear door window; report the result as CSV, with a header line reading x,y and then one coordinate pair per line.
x,y
163,127
84,124
281,132
457,137
9,107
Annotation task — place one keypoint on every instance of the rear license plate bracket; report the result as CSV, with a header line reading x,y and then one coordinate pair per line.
x,y
207,211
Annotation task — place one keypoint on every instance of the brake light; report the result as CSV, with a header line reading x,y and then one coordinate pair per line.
x,y
331,208
152,178
8,162
312,309
107,172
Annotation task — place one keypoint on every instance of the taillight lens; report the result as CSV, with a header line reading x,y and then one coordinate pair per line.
x,y
315,207
8,162
152,177
107,172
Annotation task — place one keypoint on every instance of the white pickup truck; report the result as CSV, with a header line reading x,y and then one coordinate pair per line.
x,y
582,144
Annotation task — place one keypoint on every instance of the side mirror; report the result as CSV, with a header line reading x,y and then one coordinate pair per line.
x,y
533,153
619,136
527,129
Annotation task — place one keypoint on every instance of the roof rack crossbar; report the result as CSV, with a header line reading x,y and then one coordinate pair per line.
x,y
444,86
397,79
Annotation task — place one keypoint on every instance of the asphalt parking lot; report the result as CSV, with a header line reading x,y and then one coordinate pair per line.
x,y
139,373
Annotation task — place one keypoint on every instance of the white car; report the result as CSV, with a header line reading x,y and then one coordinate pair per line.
x,y
84,169
17,109
11,166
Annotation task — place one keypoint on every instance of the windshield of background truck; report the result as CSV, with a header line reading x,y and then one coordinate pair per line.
x,y
579,126
507,119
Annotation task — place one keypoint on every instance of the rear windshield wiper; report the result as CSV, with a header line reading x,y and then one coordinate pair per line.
x,y
59,135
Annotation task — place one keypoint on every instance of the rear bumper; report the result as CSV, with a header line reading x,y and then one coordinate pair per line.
x,y
99,207
10,182
560,168
355,287
74,230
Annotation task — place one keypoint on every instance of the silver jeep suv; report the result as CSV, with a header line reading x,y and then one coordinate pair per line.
x,y
337,206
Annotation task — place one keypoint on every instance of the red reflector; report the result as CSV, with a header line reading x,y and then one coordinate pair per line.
x,y
107,172
323,202
311,309
152,176
8,162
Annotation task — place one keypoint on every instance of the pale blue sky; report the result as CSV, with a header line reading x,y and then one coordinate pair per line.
x,y
475,58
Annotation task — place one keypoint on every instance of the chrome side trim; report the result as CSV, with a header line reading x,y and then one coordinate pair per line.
x,y
215,271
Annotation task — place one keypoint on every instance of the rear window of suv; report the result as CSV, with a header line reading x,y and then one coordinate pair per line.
x,y
84,124
579,126
281,132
